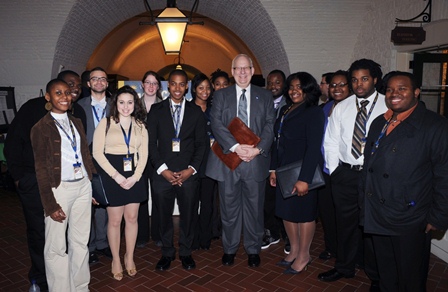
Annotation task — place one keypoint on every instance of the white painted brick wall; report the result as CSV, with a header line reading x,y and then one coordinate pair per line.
x,y
318,35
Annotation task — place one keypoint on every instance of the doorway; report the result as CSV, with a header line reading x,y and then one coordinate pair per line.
x,y
431,70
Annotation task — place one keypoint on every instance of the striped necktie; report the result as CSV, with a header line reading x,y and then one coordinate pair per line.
x,y
359,133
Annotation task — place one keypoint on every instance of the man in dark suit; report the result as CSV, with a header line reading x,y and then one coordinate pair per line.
x,y
242,191
96,107
404,185
176,148
19,154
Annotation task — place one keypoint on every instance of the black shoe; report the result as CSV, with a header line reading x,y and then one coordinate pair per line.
x,y
285,263
188,262
287,248
205,247
105,252
228,259
375,286
325,255
43,287
333,275
164,263
141,243
253,260
93,258
159,243
268,240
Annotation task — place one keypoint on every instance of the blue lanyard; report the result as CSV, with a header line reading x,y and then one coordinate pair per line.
x,y
383,131
96,114
72,140
127,138
176,121
279,132
370,112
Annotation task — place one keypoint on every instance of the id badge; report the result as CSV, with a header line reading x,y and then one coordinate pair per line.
x,y
212,140
176,145
127,163
77,170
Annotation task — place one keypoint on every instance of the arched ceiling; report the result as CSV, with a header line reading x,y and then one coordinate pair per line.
x,y
89,24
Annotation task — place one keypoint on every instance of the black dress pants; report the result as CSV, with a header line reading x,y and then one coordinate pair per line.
x,y
164,198
327,215
35,226
403,261
344,182
204,218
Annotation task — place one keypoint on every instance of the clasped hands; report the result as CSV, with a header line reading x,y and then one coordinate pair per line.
x,y
125,183
177,178
246,152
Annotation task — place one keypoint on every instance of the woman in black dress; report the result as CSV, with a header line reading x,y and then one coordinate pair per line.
x,y
299,131
120,146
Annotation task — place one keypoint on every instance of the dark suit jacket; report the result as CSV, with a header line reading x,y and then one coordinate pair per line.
x,y
262,118
86,104
161,134
46,142
301,139
404,183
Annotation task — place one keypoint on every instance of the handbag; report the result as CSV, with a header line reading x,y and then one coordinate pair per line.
x,y
98,190
288,175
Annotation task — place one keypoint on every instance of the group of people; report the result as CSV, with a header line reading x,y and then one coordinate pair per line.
x,y
383,159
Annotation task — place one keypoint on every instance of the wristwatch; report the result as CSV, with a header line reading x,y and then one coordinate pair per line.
x,y
261,150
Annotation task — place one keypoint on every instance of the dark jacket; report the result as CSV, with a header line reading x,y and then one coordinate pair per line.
x,y
404,184
46,142
191,135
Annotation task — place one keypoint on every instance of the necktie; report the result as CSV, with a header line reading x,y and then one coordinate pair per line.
x,y
359,133
176,118
276,104
242,107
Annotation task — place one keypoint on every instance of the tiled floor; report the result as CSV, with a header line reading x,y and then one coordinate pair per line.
x,y
209,275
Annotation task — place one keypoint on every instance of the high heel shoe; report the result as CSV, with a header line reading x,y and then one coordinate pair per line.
x,y
285,263
117,276
291,271
131,272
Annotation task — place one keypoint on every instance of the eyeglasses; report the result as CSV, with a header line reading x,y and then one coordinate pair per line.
x,y
240,69
340,85
98,79
149,83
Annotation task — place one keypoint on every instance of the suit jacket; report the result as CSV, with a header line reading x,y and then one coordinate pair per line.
x,y
301,139
46,142
161,134
262,118
404,184
86,104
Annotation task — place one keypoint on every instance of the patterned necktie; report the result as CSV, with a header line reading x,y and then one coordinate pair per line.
x,y
242,107
176,117
360,130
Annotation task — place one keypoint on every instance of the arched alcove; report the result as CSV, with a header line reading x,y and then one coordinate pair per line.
x,y
88,23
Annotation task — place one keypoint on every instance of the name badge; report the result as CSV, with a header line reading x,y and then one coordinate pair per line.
x,y
77,171
175,145
127,163
212,140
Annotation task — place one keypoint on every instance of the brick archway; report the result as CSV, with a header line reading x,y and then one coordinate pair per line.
x,y
89,22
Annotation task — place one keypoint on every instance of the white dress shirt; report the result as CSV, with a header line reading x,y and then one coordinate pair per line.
x,y
67,153
339,132
100,108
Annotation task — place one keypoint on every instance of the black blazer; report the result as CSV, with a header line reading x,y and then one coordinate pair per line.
x,y
192,137
301,138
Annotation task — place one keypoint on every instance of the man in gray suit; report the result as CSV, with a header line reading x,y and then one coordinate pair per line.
x,y
242,191
96,107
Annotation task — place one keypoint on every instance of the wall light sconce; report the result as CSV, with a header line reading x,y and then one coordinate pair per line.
x,y
172,25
